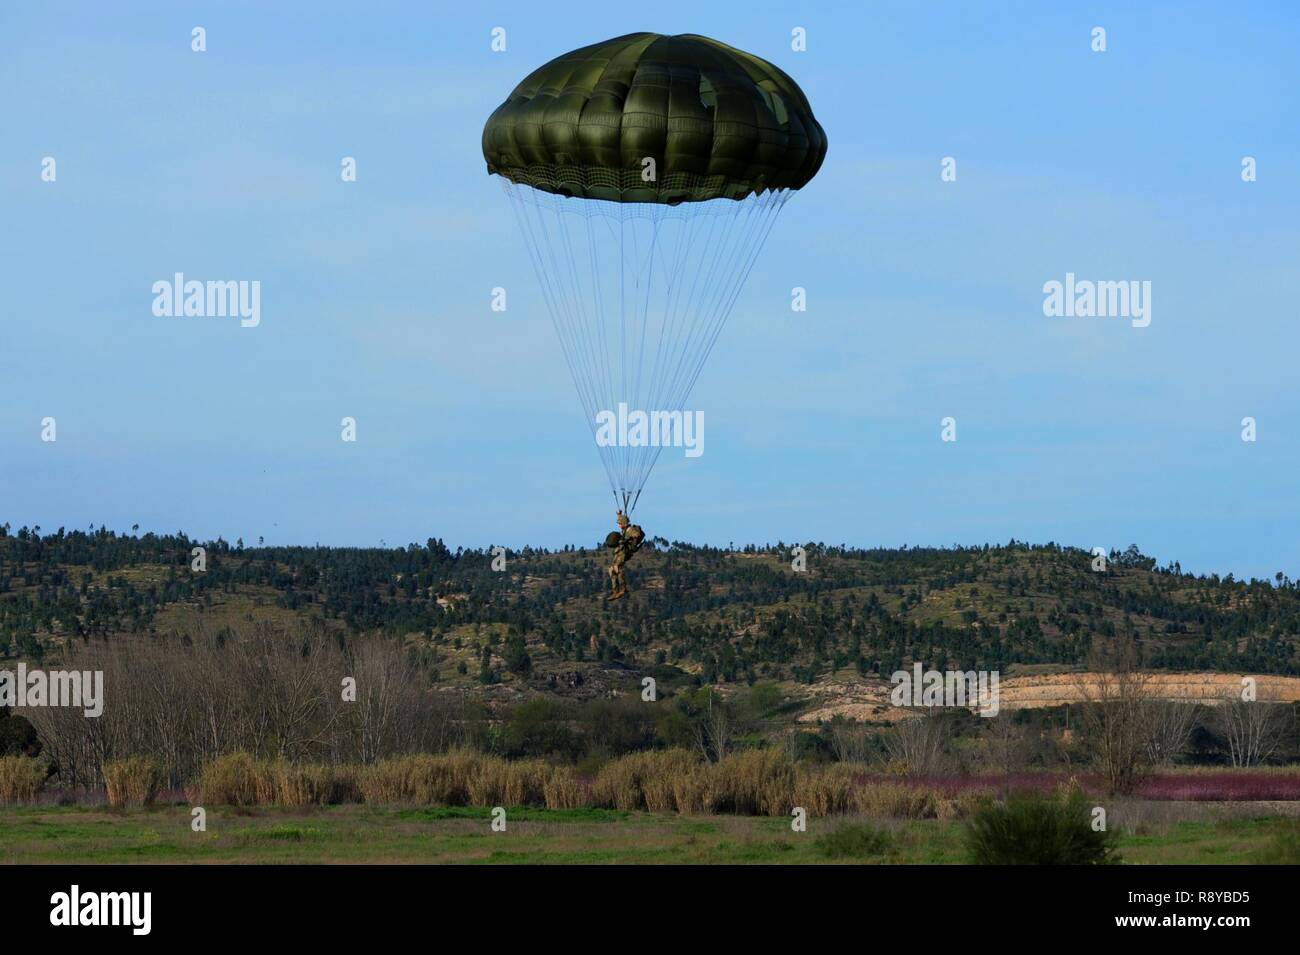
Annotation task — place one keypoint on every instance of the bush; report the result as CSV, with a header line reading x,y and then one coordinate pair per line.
x,y
540,727
895,801
662,771
17,735
133,781
20,780
563,791
693,791
315,784
237,779
463,778
1032,829
827,790
500,782
755,782
855,842
652,781
618,785
963,805
1285,847
422,779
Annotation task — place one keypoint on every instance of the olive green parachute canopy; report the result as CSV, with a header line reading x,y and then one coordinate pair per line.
x,y
717,122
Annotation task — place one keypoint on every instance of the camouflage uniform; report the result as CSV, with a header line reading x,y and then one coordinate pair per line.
x,y
629,543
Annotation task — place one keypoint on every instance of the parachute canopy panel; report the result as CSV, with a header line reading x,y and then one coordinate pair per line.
x,y
653,118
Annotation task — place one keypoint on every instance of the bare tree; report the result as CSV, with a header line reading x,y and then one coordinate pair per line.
x,y
1119,716
850,740
713,727
1254,730
392,713
268,692
918,744
1172,722
1006,744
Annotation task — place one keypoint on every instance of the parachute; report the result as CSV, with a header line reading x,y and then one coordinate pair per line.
x,y
645,173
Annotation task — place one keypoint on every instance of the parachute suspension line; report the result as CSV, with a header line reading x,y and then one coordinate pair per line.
x,y
679,271
772,205
678,307
618,452
595,241
744,264
555,301
710,296
590,329
642,399
598,287
656,218
705,298
567,310
591,339
571,260
633,310
582,341
716,301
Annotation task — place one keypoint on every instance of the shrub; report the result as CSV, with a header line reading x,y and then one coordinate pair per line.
x,y
651,781
963,805
344,784
855,842
1033,829
20,779
827,790
754,782
693,791
314,784
422,779
563,791
499,782
133,781
1285,847
237,779
661,771
618,785
895,801
460,778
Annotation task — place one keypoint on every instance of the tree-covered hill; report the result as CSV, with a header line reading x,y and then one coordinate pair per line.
x,y
537,618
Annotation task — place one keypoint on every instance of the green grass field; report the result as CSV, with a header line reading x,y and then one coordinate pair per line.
x,y
362,834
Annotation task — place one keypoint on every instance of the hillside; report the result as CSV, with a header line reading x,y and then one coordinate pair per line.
x,y
696,614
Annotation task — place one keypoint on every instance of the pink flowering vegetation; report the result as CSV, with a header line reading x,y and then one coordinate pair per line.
x,y
1243,785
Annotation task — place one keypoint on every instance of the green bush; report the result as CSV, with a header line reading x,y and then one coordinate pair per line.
x,y
855,842
1284,848
1032,829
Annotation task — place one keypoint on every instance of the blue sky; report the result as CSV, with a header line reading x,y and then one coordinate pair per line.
x,y
925,297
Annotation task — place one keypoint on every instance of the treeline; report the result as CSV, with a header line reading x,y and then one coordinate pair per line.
x,y
317,696
736,615
322,698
